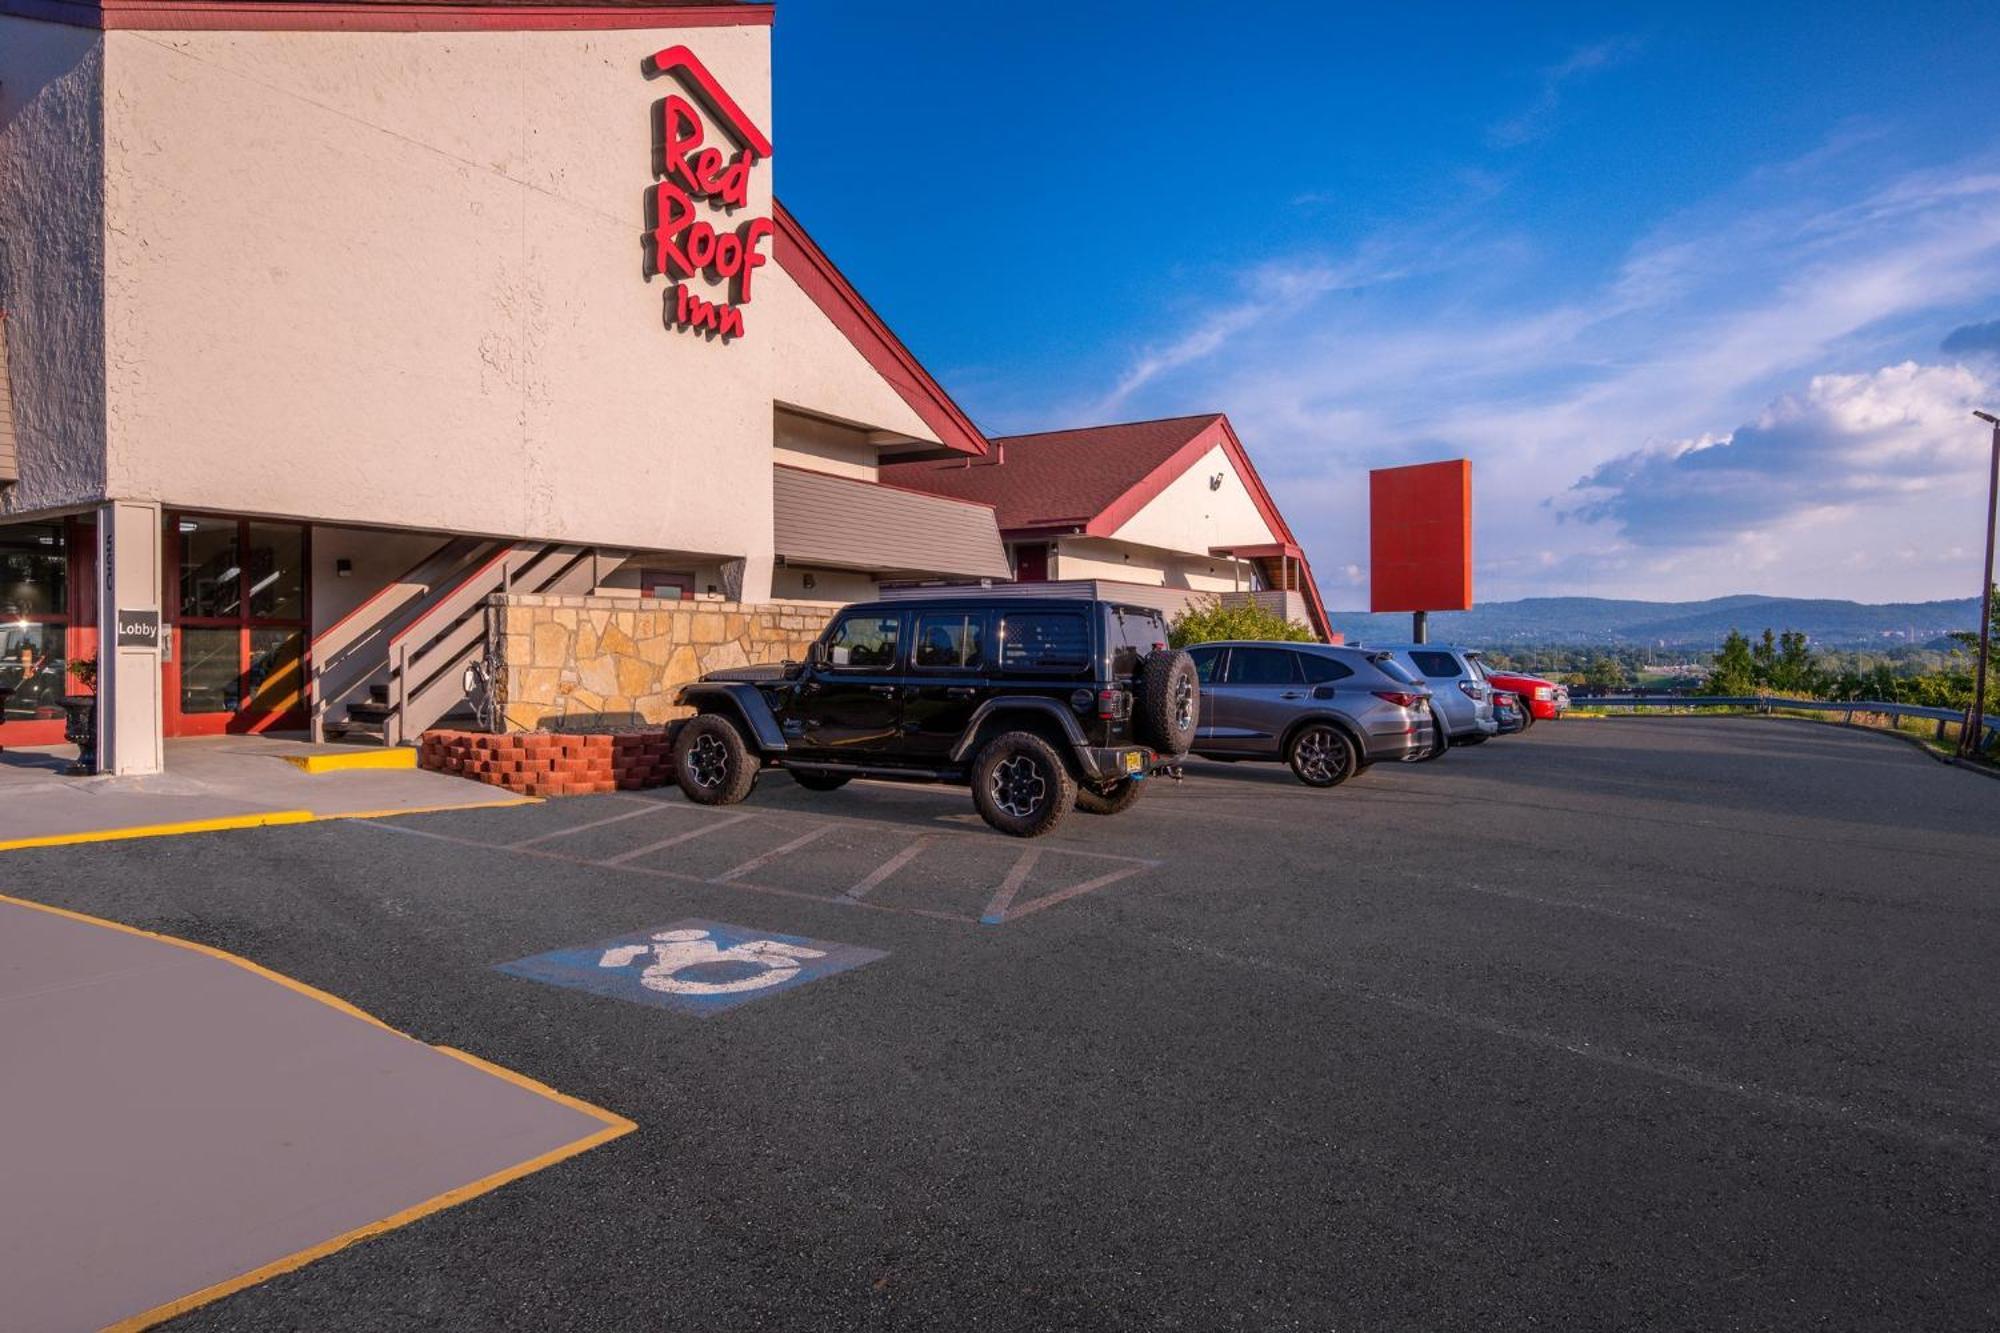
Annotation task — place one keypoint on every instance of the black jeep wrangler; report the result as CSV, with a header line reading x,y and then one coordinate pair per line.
x,y
1038,703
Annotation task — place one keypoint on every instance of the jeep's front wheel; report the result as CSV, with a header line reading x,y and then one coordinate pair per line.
x,y
711,762
1020,785
1121,796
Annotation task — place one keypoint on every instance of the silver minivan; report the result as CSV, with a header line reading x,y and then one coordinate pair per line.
x,y
1463,695
1327,711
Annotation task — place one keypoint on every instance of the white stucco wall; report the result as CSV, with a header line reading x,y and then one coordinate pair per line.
x,y
51,256
1129,562
821,446
377,556
1189,516
829,585
815,367
396,278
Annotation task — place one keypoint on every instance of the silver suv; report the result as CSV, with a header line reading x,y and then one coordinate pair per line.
x,y
1327,711
1460,690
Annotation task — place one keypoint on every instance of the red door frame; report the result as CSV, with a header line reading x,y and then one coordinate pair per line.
x,y
244,719
79,621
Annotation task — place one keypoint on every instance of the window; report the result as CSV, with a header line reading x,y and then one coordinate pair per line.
x,y
1438,666
1394,670
1263,666
1206,660
1044,641
34,620
1320,669
866,642
951,641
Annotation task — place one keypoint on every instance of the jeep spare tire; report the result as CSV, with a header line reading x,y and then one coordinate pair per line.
x,y
1169,702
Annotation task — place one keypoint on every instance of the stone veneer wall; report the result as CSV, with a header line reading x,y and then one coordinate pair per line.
x,y
604,663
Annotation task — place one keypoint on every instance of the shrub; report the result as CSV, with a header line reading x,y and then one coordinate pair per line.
x,y
1207,620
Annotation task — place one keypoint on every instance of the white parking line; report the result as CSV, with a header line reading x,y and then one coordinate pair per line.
x,y
887,868
595,823
996,911
759,862
677,839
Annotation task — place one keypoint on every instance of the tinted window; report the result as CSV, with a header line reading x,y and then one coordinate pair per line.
x,y
1320,670
1393,669
866,641
1205,662
950,640
1044,639
1263,666
1132,634
1438,666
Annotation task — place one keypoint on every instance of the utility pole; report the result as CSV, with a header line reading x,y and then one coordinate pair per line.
x,y
1974,729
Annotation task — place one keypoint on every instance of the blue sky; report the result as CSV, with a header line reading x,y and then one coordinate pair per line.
x,y
1705,291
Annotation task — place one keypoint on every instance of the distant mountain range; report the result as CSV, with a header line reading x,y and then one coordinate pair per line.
x,y
1572,621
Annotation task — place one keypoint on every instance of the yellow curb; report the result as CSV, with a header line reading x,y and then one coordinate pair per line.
x,y
218,824
615,1126
261,820
389,756
503,803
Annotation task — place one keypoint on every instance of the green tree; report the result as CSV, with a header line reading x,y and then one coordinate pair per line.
x,y
1207,620
1606,672
1735,669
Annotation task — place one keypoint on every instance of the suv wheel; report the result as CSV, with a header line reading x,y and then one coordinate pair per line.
x,y
1021,786
1169,701
1123,795
1321,755
812,781
711,762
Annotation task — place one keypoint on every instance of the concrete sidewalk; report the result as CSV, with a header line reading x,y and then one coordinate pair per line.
x,y
180,1124
215,782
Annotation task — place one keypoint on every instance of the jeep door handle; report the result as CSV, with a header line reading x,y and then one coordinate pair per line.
x,y
960,692
1293,694
886,691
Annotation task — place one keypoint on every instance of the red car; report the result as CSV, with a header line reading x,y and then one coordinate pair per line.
x,y
1545,698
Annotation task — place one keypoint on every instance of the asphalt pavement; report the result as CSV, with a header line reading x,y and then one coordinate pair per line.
x,y
1663,1023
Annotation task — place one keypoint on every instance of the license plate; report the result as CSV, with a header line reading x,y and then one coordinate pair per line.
x,y
1134,761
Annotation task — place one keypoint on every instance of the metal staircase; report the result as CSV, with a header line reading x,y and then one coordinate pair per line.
x,y
399,667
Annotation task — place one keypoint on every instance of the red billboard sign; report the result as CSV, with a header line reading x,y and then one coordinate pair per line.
x,y
698,184
1420,537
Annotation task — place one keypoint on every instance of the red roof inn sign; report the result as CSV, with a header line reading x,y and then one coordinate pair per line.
x,y
698,184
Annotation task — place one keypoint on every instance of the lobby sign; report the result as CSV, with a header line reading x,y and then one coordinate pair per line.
x,y
139,629
697,186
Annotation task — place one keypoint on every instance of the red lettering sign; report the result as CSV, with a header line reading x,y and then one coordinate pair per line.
x,y
697,184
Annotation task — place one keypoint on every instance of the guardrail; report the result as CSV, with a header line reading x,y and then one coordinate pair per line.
x,y
1766,702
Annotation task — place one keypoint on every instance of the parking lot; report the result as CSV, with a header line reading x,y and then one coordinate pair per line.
x,y
1681,1023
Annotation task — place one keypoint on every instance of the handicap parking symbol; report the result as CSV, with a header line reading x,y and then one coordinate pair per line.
x,y
696,967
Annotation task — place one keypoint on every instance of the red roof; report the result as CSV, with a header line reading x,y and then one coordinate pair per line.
x,y
1094,479
1063,478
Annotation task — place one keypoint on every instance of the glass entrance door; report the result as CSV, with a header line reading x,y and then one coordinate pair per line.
x,y
239,602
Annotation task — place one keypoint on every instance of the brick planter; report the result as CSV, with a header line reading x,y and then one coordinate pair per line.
x,y
544,763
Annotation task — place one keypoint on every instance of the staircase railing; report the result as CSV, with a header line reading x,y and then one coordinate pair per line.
x,y
352,654
428,656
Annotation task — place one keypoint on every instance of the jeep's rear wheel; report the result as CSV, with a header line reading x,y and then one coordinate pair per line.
x,y
1021,786
1169,702
813,781
1118,798
711,762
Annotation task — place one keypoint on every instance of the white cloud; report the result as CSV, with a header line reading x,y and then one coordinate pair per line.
x,y
1788,304
1539,117
1843,443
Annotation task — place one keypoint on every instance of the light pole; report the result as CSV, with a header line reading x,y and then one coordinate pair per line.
x,y
1974,729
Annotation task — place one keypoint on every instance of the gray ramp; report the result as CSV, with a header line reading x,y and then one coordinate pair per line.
x,y
173,1122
